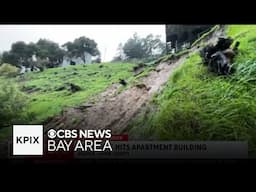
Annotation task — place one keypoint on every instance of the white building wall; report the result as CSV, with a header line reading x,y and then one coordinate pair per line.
x,y
77,60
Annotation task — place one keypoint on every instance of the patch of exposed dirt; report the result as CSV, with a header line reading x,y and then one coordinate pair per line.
x,y
114,111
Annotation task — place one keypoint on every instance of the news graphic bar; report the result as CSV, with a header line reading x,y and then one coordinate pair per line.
x,y
171,150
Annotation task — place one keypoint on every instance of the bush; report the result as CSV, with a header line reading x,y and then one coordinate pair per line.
x,y
12,104
8,70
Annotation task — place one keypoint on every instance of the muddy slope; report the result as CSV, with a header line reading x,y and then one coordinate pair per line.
x,y
112,110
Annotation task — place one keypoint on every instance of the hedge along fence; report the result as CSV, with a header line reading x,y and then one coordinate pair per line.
x,y
205,35
177,55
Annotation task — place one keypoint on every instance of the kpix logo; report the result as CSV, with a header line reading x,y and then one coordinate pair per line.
x,y
27,139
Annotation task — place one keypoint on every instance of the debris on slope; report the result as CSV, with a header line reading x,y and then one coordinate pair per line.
x,y
138,69
122,82
74,88
114,110
219,58
69,86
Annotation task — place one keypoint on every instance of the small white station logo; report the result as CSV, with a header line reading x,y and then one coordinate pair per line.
x,y
27,139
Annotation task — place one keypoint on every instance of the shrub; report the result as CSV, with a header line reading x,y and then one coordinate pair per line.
x,y
12,103
8,70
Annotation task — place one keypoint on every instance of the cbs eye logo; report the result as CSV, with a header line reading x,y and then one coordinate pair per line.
x,y
52,133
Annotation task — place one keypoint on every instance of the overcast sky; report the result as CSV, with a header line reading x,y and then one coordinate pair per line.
x,y
107,36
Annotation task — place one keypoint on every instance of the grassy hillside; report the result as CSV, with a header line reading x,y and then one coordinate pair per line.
x,y
47,100
48,91
198,105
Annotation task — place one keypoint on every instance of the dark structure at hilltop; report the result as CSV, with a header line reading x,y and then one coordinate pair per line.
x,y
178,36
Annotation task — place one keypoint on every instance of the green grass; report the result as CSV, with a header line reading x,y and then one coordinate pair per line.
x,y
45,101
198,105
145,72
246,35
213,29
172,56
